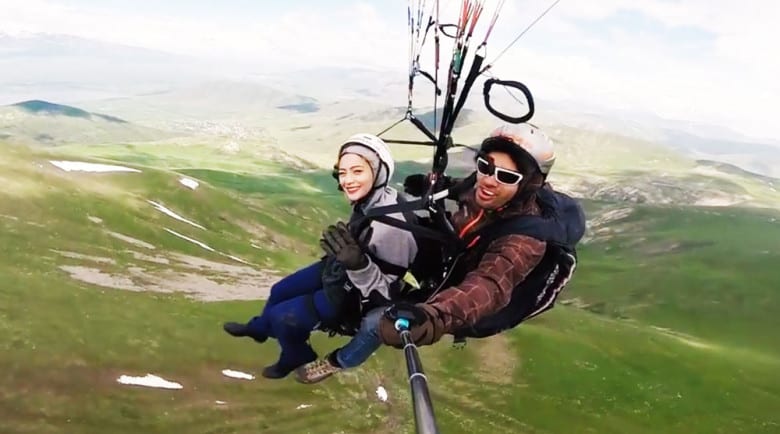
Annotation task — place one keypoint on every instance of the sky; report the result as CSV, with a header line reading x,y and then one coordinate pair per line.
x,y
710,61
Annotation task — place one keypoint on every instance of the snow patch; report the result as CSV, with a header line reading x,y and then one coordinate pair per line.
x,y
237,374
79,166
236,258
131,240
220,402
149,381
190,240
302,406
166,211
189,183
381,393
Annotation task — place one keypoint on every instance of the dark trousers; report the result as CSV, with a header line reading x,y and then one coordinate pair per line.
x,y
295,306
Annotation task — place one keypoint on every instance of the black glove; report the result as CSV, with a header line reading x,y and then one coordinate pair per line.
x,y
425,324
409,311
337,241
416,185
459,186
334,280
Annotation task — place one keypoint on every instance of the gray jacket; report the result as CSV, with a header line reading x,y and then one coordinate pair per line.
x,y
388,244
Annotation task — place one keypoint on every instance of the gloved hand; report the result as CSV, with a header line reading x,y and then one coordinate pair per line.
x,y
426,326
458,186
416,185
338,242
334,280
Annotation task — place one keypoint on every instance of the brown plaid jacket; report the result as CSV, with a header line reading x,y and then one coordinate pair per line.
x,y
488,284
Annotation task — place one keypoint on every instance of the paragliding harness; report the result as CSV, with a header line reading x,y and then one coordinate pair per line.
x,y
426,268
437,266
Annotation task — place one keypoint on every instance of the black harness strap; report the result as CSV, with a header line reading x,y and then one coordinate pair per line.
x,y
400,207
387,267
415,229
406,208
467,84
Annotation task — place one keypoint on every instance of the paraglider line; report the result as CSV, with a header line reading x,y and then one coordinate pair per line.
x,y
520,35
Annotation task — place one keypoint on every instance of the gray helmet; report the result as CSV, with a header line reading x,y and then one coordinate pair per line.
x,y
531,140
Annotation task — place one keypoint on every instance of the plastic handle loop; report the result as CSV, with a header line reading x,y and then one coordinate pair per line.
x,y
511,84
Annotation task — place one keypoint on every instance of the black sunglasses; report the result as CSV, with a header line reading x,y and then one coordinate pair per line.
x,y
504,176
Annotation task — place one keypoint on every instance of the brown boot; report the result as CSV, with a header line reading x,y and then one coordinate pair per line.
x,y
318,370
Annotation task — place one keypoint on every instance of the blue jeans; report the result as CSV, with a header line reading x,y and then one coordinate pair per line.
x,y
294,308
302,282
365,342
307,280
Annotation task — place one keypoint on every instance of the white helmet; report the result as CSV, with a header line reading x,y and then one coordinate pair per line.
x,y
382,151
532,140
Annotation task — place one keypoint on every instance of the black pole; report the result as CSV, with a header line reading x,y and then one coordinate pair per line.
x,y
421,398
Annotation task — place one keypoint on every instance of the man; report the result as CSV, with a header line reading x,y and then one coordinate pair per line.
x,y
521,237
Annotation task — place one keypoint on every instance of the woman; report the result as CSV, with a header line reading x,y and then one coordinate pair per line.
x,y
363,268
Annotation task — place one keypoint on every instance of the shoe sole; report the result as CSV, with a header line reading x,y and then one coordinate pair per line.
x,y
301,378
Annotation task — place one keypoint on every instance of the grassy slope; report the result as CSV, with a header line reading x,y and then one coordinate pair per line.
x,y
709,272
569,371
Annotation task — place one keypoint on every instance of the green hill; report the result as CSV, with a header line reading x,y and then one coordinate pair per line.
x,y
705,271
666,327
48,108
43,123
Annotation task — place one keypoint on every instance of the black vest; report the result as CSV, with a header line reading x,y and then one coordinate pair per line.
x,y
561,226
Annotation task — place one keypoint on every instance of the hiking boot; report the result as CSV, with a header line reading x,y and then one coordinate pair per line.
x,y
276,371
458,342
279,370
318,370
241,330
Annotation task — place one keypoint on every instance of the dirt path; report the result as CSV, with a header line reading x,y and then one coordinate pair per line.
x,y
199,278
497,361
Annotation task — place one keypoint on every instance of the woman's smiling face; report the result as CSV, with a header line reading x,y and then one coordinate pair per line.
x,y
355,177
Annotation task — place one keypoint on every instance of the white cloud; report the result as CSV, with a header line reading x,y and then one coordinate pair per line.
x,y
731,78
353,33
